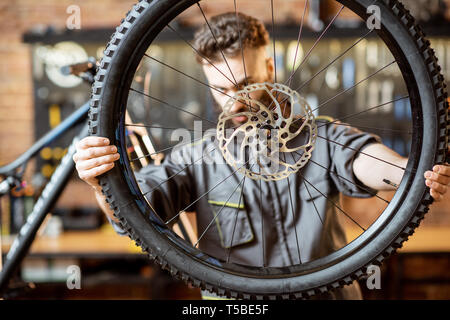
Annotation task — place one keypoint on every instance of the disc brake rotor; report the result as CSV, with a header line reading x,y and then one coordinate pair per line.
x,y
276,139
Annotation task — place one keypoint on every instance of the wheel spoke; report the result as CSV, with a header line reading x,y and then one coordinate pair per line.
x,y
347,90
298,41
235,220
158,127
218,213
217,43
293,215
172,106
334,204
128,203
185,74
240,42
364,111
363,127
348,180
262,223
327,66
314,204
315,44
352,87
333,61
359,151
165,149
310,196
201,55
206,193
309,52
273,40
192,78
178,172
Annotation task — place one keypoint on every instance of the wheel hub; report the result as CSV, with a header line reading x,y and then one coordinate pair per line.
x,y
278,137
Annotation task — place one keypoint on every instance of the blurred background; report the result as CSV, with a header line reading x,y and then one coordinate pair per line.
x,y
39,37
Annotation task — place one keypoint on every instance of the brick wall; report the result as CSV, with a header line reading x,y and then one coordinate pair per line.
x,y
16,86
16,92
17,17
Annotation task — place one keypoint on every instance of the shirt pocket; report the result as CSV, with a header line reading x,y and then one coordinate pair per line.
x,y
232,223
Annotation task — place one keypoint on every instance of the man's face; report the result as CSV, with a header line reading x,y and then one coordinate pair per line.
x,y
258,68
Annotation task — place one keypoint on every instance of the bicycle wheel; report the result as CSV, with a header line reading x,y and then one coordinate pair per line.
x,y
229,231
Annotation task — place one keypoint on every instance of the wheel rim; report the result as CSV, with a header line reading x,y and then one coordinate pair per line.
x,y
337,256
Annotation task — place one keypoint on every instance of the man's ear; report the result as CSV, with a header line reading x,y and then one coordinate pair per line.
x,y
270,65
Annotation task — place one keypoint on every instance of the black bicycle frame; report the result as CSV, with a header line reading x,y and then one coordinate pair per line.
x,y
49,195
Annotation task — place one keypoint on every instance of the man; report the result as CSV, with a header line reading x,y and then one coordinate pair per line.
x,y
266,232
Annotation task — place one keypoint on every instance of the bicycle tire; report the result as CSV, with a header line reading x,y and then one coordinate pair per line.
x,y
146,20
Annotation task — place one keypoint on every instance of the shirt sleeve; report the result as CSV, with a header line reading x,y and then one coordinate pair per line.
x,y
345,143
169,187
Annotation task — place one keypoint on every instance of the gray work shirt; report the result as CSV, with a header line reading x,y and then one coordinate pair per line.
x,y
291,217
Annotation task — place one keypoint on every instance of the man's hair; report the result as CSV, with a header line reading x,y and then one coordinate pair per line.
x,y
229,30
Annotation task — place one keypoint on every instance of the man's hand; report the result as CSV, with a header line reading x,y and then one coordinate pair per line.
x,y
438,181
94,156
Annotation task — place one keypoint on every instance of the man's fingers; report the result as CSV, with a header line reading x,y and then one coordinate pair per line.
x,y
442,179
438,181
92,141
95,162
95,152
442,189
442,169
436,195
95,172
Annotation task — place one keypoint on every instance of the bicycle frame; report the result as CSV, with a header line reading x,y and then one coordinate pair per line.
x,y
49,195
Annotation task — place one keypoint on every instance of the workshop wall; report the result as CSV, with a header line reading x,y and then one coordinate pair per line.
x,y
17,17
17,110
